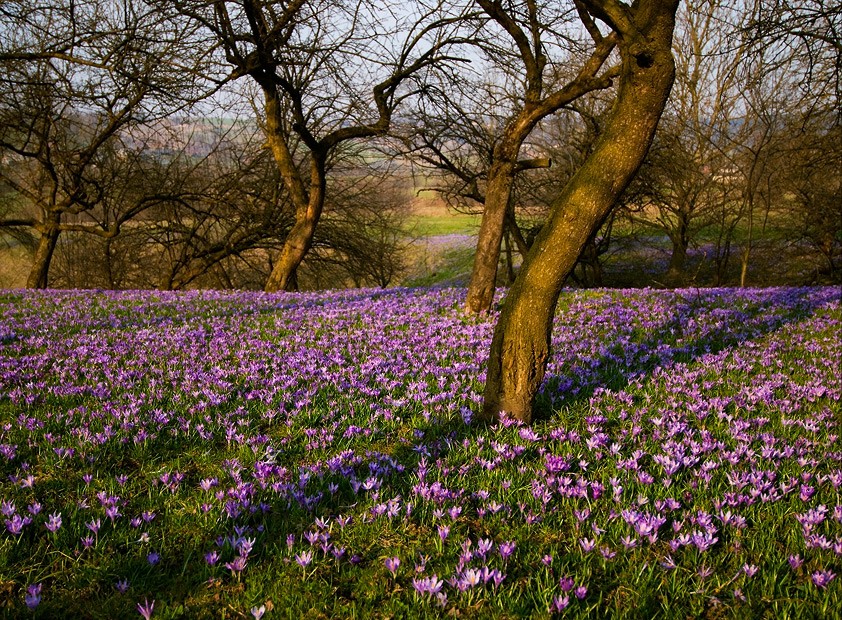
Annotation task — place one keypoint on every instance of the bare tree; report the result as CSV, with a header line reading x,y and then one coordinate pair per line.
x,y
713,176
521,343
808,30
362,239
451,138
812,189
328,72
687,182
75,75
535,65
805,38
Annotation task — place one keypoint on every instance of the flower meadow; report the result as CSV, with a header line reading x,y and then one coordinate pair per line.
x,y
244,455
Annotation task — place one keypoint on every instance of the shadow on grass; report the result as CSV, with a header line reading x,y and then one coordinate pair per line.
x,y
702,323
722,325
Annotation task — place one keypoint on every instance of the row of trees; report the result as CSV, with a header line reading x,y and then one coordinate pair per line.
x,y
746,158
483,93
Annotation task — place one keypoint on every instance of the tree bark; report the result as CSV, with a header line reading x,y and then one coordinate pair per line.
x,y
39,274
678,258
521,344
284,276
307,200
680,237
510,263
484,274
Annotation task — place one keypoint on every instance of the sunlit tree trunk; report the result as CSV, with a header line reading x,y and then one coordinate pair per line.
x,y
484,273
521,344
284,276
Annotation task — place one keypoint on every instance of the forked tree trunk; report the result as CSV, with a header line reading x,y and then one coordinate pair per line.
x,y
39,274
308,200
521,343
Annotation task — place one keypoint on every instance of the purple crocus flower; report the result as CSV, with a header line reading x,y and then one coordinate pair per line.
x,y
54,522
587,544
15,525
505,549
238,564
560,603
428,585
33,595
146,608
7,508
392,564
822,577
304,558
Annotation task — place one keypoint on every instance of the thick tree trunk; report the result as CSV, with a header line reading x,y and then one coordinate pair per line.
x,y
680,237
678,260
284,275
484,273
39,274
308,200
521,343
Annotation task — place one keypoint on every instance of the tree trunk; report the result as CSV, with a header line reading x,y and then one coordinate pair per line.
x,y
308,200
39,274
517,234
745,255
510,263
744,258
484,274
680,242
521,344
109,263
284,276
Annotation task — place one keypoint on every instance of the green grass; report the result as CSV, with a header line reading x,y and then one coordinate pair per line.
x,y
452,267
310,409
423,225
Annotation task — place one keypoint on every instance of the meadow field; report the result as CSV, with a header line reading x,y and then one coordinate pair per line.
x,y
245,455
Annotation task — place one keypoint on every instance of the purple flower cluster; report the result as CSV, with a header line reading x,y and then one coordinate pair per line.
x,y
684,424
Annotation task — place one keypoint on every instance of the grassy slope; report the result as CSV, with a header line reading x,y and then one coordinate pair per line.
x,y
328,430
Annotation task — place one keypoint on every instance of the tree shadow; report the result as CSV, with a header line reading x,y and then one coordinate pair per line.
x,y
705,321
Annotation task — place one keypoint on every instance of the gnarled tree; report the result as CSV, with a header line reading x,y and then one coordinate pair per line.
x,y
327,72
521,344
527,48
527,27
73,77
